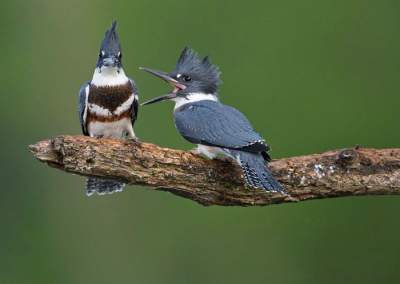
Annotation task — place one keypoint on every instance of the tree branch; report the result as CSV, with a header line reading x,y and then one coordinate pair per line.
x,y
349,172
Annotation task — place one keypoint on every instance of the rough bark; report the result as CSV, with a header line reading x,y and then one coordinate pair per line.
x,y
348,172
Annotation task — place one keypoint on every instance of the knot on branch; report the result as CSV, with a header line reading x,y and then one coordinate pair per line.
x,y
348,157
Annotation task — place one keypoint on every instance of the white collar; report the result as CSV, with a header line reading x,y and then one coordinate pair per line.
x,y
194,97
109,76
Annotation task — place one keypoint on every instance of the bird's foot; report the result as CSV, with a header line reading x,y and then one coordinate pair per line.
x,y
133,139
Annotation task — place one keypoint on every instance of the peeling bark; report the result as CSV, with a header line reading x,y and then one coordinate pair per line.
x,y
348,172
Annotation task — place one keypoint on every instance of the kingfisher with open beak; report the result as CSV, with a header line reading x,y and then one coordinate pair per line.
x,y
216,128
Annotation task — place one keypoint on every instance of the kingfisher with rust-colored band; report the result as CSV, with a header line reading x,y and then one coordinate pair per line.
x,y
108,104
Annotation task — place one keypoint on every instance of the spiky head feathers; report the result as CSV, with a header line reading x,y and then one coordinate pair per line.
x,y
203,75
110,49
110,43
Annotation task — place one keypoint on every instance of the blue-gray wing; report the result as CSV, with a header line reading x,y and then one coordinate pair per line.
x,y
135,103
83,93
214,124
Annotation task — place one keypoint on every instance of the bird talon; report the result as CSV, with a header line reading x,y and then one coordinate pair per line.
x,y
133,139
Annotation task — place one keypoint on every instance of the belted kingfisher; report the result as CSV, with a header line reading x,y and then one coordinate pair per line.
x,y
216,128
108,104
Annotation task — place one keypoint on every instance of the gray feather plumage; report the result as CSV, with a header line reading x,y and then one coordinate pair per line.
x,y
82,106
135,103
110,43
110,46
214,124
255,171
205,75
102,186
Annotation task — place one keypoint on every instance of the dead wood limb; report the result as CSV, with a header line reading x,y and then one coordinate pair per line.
x,y
348,172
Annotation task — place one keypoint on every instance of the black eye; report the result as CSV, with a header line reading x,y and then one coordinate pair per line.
x,y
119,55
187,78
101,54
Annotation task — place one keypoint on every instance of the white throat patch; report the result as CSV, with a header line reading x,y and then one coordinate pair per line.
x,y
109,76
194,97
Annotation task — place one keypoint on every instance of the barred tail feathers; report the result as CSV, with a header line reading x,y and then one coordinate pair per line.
x,y
102,186
256,172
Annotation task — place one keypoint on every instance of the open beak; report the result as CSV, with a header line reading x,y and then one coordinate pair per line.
x,y
159,99
167,78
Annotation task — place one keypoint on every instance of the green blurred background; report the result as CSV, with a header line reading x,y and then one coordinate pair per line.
x,y
310,75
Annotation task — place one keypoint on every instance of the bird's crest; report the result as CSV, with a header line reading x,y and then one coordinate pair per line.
x,y
110,44
191,63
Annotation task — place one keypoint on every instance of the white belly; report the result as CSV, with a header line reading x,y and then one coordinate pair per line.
x,y
116,129
210,152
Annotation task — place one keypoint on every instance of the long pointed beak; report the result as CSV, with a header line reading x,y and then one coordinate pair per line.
x,y
163,75
159,99
159,74
167,78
